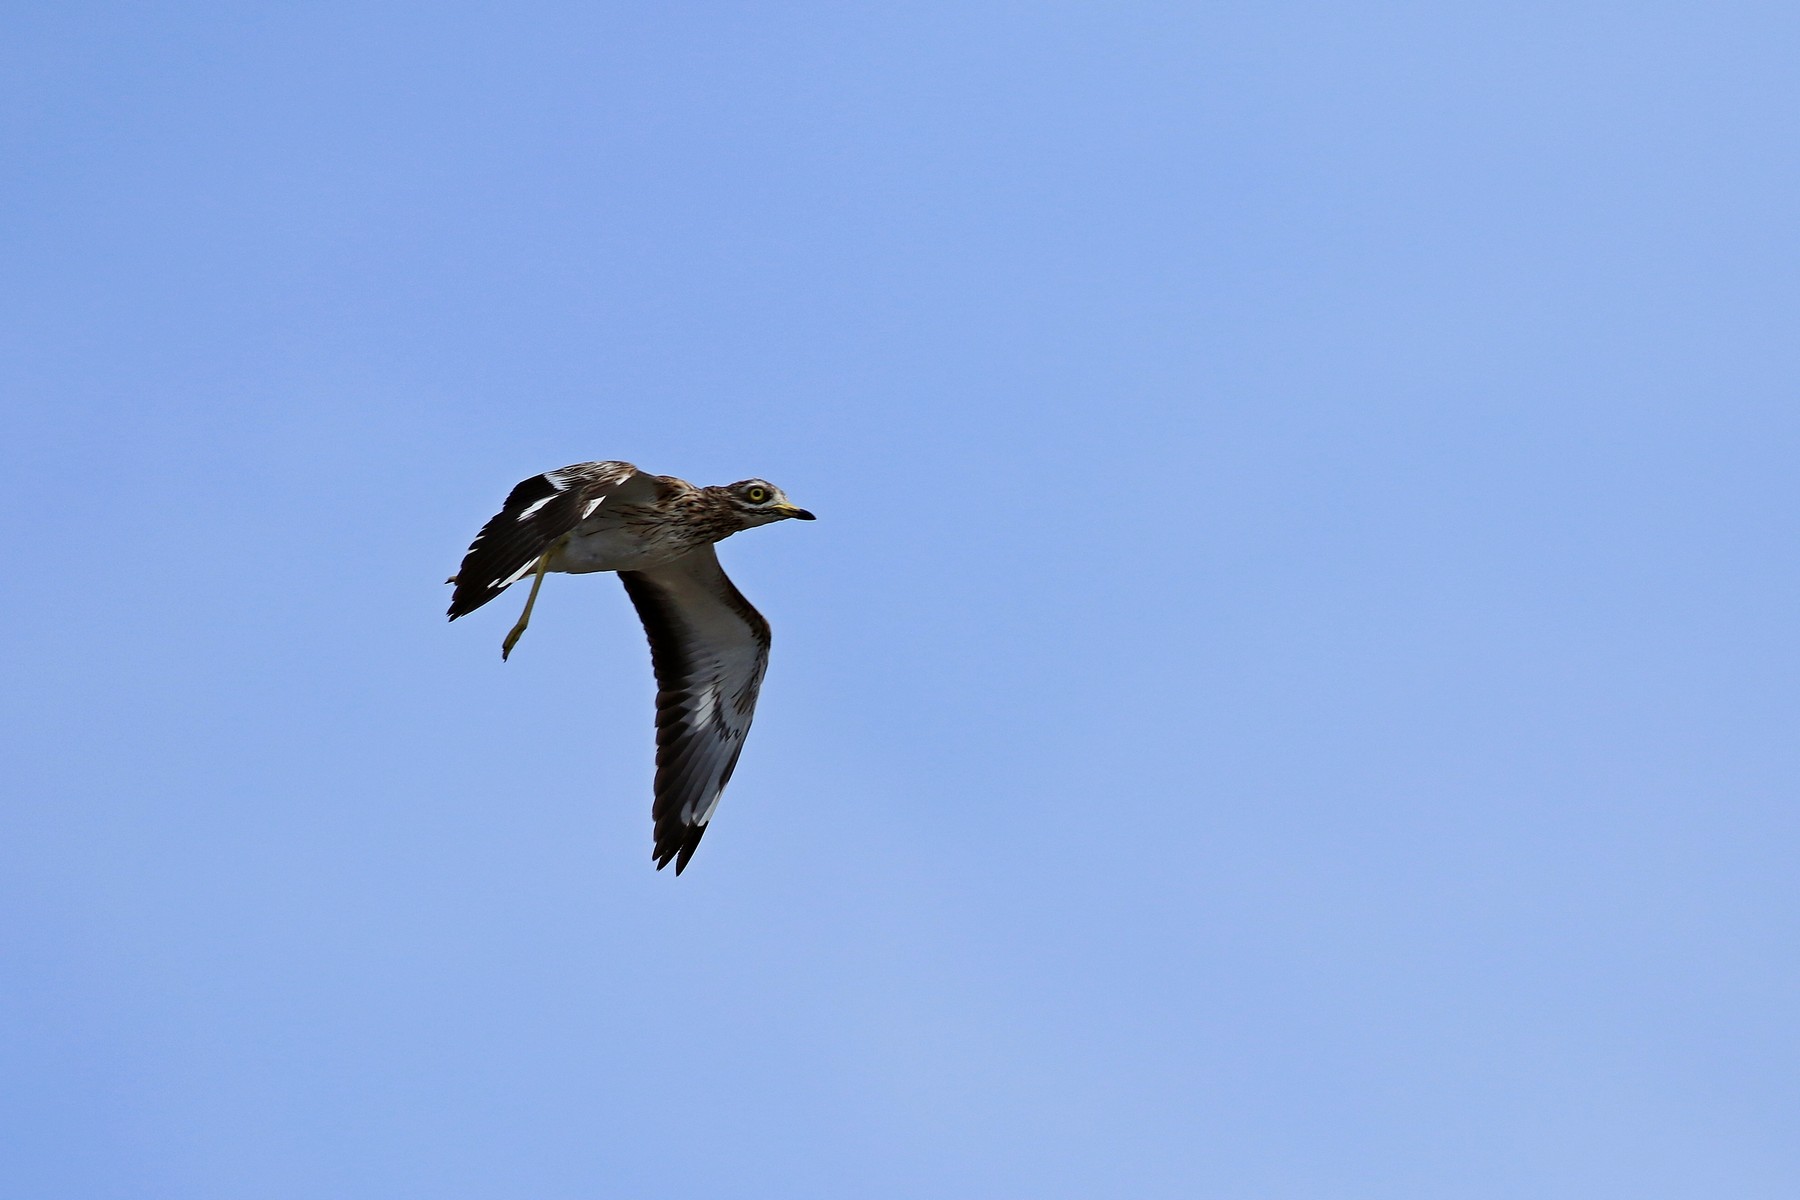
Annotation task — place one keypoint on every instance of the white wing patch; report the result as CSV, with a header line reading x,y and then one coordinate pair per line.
x,y
517,575
706,704
705,814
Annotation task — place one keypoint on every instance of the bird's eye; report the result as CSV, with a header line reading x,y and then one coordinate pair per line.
x,y
756,495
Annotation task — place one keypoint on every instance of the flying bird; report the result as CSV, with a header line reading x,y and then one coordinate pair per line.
x,y
708,646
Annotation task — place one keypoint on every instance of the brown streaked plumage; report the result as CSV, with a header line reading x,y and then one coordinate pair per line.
x,y
708,646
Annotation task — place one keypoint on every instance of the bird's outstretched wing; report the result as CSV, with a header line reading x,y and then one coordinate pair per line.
x,y
709,649
536,514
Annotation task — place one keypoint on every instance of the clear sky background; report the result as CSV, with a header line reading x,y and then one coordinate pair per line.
x,y
1292,692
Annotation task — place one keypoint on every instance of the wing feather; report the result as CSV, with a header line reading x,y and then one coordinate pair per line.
x,y
539,511
709,649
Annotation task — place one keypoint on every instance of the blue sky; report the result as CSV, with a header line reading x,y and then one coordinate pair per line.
x,y
1292,691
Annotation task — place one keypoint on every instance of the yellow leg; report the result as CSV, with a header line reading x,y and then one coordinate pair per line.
x,y
518,631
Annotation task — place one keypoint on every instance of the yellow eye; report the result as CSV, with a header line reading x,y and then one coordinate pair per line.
x,y
756,495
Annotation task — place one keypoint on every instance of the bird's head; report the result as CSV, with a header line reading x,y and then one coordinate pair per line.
x,y
759,502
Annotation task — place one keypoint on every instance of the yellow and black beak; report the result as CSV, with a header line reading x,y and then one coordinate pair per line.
x,y
798,514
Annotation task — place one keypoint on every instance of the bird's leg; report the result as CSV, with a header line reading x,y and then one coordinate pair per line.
x,y
518,631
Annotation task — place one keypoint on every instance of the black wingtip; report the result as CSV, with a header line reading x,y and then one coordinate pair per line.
x,y
678,848
462,602
688,847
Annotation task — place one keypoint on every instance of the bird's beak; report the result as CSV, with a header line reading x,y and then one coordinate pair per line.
x,y
799,514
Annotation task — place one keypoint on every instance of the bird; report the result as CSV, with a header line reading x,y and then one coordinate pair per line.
x,y
708,646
